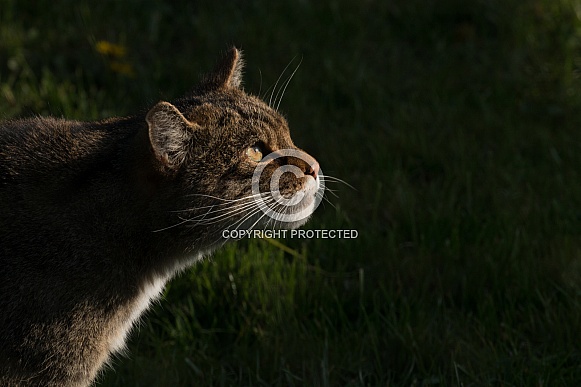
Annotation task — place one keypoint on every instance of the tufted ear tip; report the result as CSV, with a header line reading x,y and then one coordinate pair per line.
x,y
228,72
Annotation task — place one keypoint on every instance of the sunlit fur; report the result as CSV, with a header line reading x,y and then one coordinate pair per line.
x,y
97,216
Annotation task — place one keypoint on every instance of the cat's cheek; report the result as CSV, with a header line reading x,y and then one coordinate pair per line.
x,y
312,184
308,203
310,188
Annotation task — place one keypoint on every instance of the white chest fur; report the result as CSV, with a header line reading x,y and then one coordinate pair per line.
x,y
150,291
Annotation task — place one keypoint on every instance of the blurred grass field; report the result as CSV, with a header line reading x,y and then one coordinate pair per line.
x,y
459,125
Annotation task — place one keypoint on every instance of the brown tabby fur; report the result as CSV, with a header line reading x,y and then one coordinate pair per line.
x,y
91,218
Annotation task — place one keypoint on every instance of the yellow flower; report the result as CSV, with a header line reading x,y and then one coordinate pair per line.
x,y
122,68
104,47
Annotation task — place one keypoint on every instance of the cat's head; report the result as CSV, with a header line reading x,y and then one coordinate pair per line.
x,y
230,160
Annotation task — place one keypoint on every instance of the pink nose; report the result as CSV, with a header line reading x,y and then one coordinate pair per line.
x,y
313,170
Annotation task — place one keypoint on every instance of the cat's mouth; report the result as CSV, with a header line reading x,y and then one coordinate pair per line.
x,y
291,205
298,214
307,189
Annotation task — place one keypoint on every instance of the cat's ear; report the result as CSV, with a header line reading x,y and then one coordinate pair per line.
x,y
169,134
228,73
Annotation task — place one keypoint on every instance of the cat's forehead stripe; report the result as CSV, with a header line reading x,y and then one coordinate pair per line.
x,y
274,130
252,109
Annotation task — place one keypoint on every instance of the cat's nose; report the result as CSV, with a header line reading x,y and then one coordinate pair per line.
x,y
313,170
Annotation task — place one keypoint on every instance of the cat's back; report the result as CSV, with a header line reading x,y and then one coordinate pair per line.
x,y
52,156
54,175
32,149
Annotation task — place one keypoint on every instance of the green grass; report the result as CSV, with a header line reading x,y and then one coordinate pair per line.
x,y
458,124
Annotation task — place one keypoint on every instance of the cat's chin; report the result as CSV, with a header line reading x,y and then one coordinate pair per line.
x,y
299,216
294,224
286,214
295,216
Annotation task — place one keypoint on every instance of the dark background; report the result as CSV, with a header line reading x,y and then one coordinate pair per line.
x,y
458,125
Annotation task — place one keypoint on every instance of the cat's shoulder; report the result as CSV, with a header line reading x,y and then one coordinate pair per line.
x,y
41,145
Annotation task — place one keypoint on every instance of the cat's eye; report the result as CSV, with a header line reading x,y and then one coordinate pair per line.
x,y
254,153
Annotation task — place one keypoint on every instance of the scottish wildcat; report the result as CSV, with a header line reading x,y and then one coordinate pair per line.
x,y
97,216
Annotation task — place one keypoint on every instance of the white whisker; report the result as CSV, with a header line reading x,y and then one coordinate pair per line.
x,y
287,83
332,192
278,80
328,201
172,226
233,212
331,179
228,200
214,210
238,224
260,88
217,212
254,224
